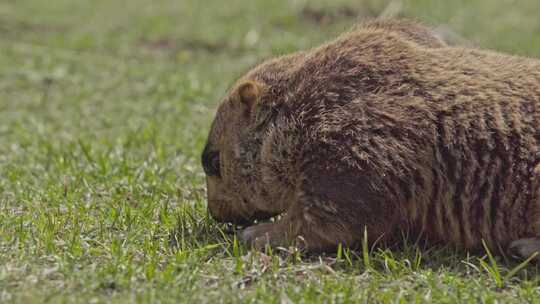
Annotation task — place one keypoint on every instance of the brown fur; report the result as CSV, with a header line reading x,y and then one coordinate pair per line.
x,y
386,129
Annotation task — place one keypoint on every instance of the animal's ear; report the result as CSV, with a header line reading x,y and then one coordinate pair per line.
x,y
249,93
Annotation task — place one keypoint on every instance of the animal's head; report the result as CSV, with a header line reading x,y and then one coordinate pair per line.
x,y
230,158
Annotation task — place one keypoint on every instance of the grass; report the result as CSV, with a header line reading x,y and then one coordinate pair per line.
x,y
104,109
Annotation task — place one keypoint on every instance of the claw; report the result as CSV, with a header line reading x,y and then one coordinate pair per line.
x,y
260,236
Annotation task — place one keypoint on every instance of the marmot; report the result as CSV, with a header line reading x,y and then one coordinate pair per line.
x,y
384,129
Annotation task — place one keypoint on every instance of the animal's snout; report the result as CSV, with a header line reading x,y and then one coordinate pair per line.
x,y
224,212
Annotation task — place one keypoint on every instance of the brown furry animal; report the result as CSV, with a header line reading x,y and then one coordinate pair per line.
x,y
385,129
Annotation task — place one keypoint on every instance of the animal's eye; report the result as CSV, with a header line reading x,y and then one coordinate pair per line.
x,y
210,162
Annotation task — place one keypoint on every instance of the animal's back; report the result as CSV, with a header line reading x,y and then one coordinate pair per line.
x,y
454,131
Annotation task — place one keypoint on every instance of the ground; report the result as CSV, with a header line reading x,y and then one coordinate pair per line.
x,y
104,110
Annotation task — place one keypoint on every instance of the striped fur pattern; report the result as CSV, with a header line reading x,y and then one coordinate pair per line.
x,y
386,129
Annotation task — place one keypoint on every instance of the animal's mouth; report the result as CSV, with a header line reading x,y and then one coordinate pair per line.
x,y
238,221
243,216
229,218
260,216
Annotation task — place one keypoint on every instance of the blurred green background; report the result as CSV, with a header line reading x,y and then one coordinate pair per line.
x,y
104,108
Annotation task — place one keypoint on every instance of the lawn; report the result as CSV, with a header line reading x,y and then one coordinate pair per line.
x,y
104,110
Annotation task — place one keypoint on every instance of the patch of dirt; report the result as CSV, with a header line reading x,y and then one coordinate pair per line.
x,y
211,47
363,9
15,26
167,44
326,16
158,44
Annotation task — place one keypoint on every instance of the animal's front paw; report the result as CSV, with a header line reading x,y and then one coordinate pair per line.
x,y
524,248
262,235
